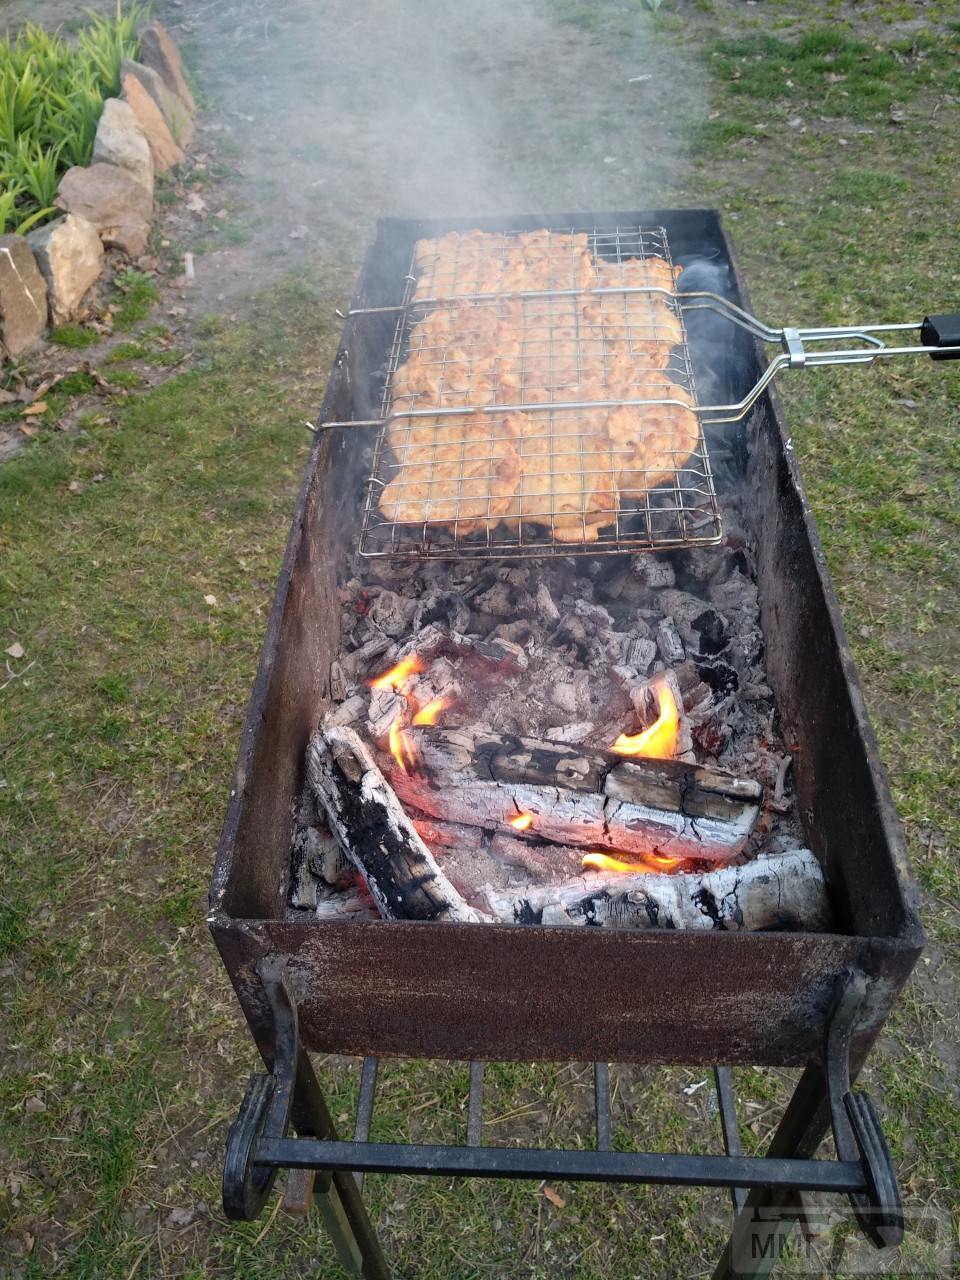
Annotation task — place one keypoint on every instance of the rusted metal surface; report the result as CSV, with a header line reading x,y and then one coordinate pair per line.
x,y
519,992
514,992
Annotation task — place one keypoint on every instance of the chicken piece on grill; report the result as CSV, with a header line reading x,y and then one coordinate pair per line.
x,y
456,471
568,475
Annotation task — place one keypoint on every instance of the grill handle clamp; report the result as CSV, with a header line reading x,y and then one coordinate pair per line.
x,y
943,333
857,1130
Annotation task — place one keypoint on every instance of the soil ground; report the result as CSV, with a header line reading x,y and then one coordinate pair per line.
x,y
827,135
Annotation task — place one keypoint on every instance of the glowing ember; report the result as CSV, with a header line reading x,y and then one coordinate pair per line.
x,y
597,861
659,742
430,713
522,821
410,666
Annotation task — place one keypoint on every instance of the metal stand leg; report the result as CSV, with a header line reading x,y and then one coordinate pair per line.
x,y
822,1099
337,1195
291,1094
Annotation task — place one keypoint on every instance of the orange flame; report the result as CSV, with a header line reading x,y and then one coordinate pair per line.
x,y
522,821
659,742
430,713
410,666
401,748
596,861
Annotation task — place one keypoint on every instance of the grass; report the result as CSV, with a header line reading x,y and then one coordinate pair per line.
x,y
126,1056
51,93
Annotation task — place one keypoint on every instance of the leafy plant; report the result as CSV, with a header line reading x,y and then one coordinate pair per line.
x,y
51,96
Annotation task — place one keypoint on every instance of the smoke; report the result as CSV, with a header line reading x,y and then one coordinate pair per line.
x,y
341,112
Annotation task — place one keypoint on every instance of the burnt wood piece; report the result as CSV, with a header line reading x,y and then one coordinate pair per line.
x,y
785,891
376,835
588,799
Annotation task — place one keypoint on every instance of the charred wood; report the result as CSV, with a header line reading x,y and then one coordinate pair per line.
x,y
784,891
587,799
375,833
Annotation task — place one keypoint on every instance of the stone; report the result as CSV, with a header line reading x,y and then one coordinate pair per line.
x,y
177,116
121,141
23,296
70,257
163,148
158,52
112,199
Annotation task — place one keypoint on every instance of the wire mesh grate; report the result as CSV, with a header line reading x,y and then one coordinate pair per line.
x,y
539,397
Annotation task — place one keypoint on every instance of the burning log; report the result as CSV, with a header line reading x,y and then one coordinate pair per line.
x,y
586,799
783,891
375,833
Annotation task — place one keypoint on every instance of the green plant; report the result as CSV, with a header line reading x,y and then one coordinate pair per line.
x,y
137,292
51,96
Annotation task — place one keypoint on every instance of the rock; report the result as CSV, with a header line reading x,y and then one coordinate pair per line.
x,y
121,141
163,148
23,296
113,200
174,111
70,257
159,53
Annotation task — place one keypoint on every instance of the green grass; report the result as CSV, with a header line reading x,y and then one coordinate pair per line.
x,y
74,335
135,293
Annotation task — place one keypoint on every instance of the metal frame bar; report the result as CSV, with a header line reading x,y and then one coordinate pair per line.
x,y
765,1189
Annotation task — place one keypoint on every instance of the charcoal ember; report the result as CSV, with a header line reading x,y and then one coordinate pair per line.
x,y
633,592
502,653
348,712
697,696
626,676
711,735
446,607
701,565
504,601
654,571
721,678
746,648
338,682
350,591
392,614
360,660
514,575
669,642
611,585
639,653
757,693
574,731
565,696
545,605
518,632
593,613
385,706
570,631
713,630
735,592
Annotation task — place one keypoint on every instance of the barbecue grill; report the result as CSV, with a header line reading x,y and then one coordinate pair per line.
x,y
460,991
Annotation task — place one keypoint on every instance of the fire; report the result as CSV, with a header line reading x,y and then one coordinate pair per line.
x,y
659,742
430,713
410,666
522,821
401,748
596,861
